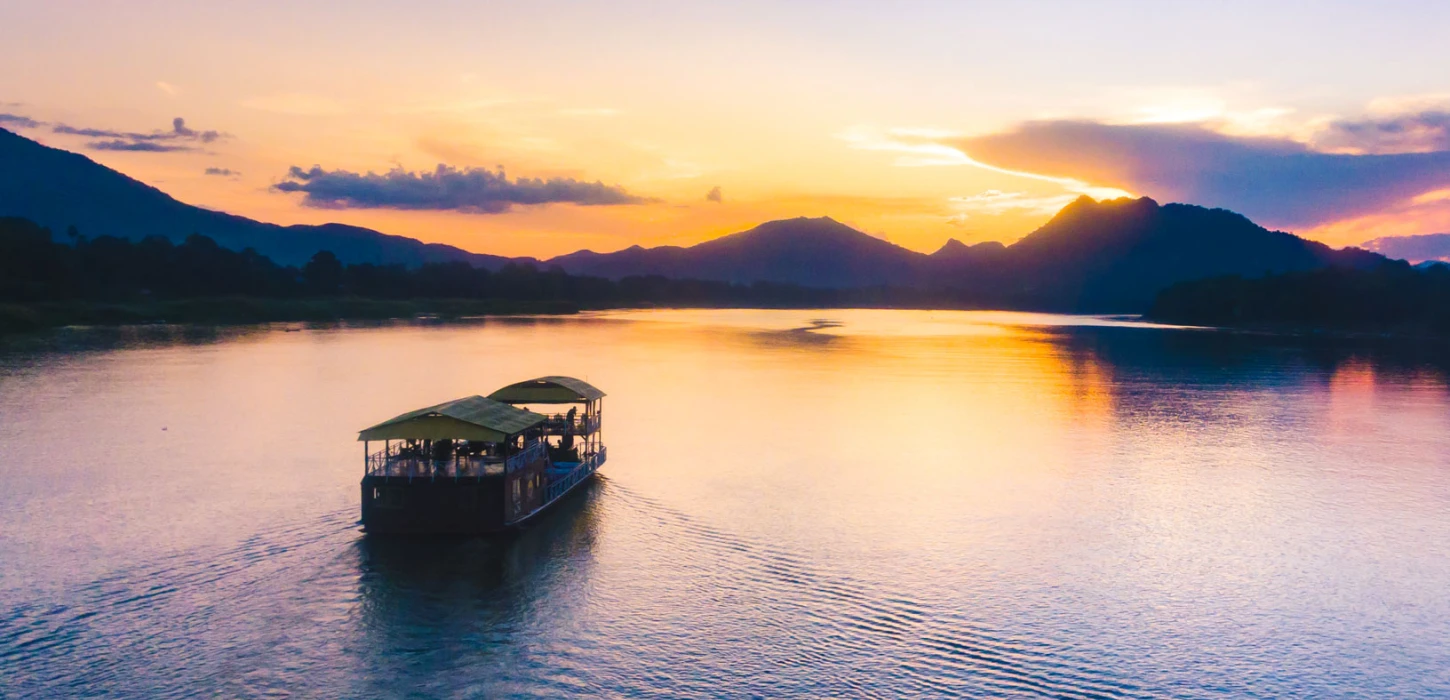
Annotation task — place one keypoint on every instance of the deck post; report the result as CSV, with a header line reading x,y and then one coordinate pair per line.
x,y
365,457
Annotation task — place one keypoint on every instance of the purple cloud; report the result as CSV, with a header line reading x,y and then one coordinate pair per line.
x,y
154,142
1277,181
140,146
1429,246
472,190
1421,132
18,121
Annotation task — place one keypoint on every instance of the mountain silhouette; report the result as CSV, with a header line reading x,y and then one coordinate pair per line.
x,y
1118,254
1092,256
59,189
818,252
1108,256
955,254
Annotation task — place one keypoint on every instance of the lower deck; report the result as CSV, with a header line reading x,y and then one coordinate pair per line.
x,y
435,496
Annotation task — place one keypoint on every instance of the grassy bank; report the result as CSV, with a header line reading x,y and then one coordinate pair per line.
x,y
18,318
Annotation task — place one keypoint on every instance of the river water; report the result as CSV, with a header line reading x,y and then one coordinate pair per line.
x,y
796,503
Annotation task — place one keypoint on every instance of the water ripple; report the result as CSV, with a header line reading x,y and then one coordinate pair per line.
x,y
940,651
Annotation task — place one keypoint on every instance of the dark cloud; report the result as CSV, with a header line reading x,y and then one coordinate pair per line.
x,y
1276,181
1429,246
141,146
180,130
92,133
18,121
1410,133
714,195
159,141
473,190
223,172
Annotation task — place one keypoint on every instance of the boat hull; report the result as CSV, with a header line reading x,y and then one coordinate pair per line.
x,y
393,505
428,506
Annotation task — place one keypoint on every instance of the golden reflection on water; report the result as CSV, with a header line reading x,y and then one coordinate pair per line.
x,y
1130,501
875,430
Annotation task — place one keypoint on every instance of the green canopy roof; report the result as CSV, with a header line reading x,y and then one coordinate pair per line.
x,y
548,390
471,418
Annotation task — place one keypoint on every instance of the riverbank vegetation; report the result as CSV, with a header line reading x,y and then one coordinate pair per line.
x,y
1391,298
19,317
46,282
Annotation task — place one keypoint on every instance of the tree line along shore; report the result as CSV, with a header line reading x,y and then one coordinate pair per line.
x,y
45,282
1393,298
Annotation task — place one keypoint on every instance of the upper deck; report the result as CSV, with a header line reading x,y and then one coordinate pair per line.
x,y
578,425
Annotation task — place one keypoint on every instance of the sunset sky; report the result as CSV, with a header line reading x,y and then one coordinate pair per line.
x,y
674,122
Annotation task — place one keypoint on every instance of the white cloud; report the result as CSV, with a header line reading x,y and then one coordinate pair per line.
x,y
997,202
921,149
1238,109
167,88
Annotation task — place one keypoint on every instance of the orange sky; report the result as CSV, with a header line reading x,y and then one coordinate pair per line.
x,y
859,112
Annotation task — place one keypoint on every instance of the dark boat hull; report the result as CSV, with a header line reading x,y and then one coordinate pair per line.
x,y
448,506
429,506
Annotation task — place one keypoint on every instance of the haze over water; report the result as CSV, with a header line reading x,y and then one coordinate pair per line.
x,y
858,503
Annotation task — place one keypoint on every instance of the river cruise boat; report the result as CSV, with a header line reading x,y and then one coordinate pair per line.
x,y
482,464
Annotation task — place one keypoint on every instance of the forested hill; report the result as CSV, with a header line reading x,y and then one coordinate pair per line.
x,y
1390,298
37,268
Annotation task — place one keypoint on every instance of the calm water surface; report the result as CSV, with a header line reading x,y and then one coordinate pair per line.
x,y
829,503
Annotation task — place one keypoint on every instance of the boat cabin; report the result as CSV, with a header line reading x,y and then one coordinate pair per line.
x,y
572,427
481,464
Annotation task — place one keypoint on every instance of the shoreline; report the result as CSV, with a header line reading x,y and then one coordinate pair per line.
x,y
25,317
16,318
1298,330
28,317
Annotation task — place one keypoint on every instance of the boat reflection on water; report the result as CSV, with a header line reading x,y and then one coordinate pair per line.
x,y
452,566
440,602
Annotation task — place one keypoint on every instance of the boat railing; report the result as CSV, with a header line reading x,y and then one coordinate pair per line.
x,y
421,467
534,452
389,450
559,424
400,461
581,472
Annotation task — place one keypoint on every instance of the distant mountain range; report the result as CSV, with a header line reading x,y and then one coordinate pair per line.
x,y
809,252
1111,256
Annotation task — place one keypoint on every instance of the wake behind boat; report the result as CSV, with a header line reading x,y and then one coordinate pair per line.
x,y
482,464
